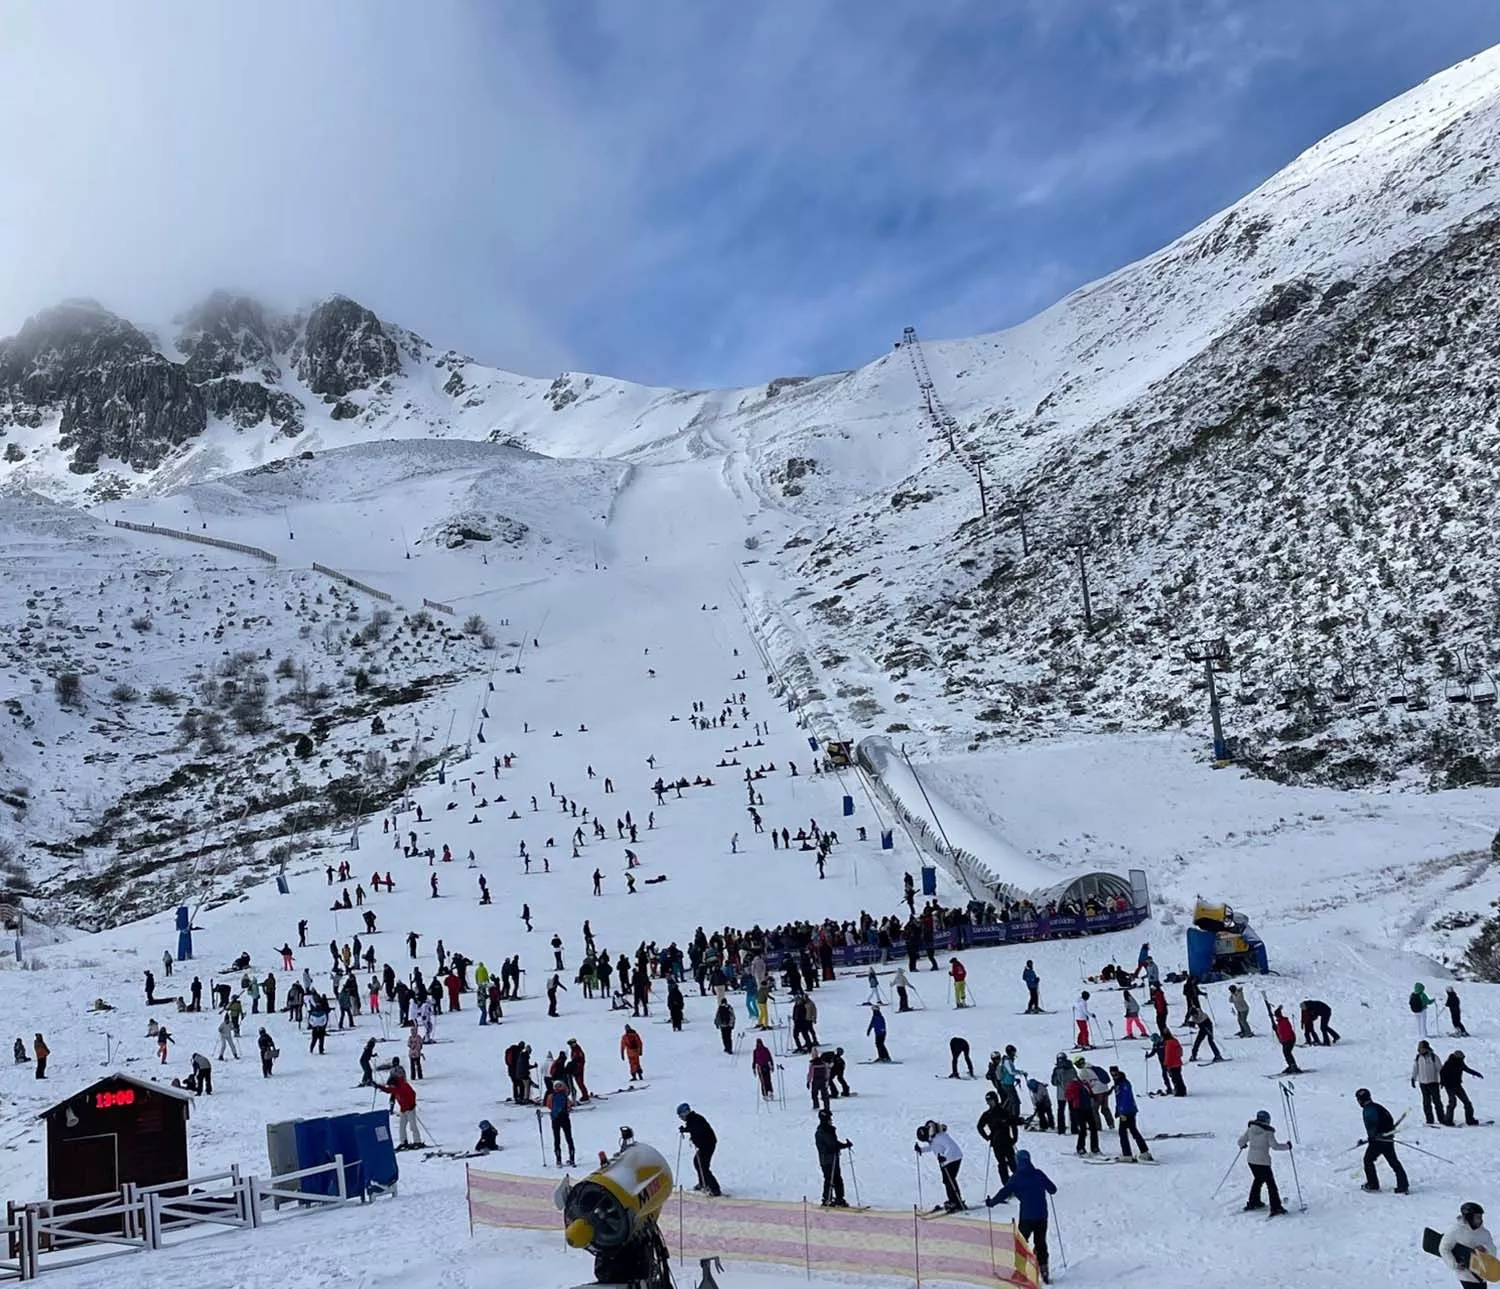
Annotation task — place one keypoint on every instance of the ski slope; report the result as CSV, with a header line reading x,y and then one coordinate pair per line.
x,y
1333,884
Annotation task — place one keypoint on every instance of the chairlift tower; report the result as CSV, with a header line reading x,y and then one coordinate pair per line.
x,y
1212,653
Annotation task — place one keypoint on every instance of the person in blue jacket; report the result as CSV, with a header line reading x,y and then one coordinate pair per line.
x,y
877,1027
1032,982
1125,1112
1031,1186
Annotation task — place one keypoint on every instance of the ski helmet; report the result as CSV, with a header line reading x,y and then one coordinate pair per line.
x,y
922,1132
1471,1210
1010,1049
1262,1116
992,1097
824,1116
1085,994
486,1126
684,1110
559,1084
1362,1095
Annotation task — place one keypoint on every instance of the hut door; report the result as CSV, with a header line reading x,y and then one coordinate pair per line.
x,y
92,1164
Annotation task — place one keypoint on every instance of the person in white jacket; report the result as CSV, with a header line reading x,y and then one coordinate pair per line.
x,y
934,1137
1425,1075
1471,1234
1081,1017
1258,1141
226,1038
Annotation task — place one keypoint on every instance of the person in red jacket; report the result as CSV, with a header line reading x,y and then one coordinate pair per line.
x,y
960,982
630,1050
404,1096
1171,1061
577,1060
1281,1026
452,982
1159,1004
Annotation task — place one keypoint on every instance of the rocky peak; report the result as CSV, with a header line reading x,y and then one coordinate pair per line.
x,y
227,334
38,363
345,347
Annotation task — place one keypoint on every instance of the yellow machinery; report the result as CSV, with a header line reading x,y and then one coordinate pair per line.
x,y
612,1213
840,755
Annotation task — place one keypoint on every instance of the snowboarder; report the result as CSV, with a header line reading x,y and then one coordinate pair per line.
x,y
1471,1235
877,1028
1455,1015
1125,1112
1425,1075
933,1137
958,1049
1081,1017
698,1130
1258,1141
559,1108
1241,1005
1451,1076
1315,1013
1033,983
1379,1142
1031,1186
829,1147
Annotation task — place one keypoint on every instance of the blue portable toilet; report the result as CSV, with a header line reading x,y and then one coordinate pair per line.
x,y
184,933
1200,952
848,804
887,839
812,742
282,887
929,880
363,1139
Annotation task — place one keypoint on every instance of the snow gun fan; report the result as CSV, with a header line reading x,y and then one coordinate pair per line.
x,y
613,1214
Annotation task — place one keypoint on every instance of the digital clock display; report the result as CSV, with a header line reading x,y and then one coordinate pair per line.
x,y
114,1100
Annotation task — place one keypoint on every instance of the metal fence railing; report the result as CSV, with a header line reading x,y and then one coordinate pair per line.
x,y
158,531
354,582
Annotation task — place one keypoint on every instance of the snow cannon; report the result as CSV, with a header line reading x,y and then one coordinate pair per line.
x,y
1222,943
617,1204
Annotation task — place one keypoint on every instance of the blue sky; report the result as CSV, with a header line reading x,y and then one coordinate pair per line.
x,y
676,191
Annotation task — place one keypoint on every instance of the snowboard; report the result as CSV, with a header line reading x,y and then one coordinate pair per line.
x,y
877,1061
1177,1136
459,1154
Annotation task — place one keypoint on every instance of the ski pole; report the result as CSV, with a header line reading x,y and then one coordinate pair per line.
x,y
1227,1171
1412,1146
677,1171
1301,1203
1114,1040
541,1137
920,1202
854,1176
1057,1231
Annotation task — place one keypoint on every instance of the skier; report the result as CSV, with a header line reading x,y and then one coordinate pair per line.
x,y
958,1048
762,1064
1041,1104
877,1028
828,1145
226,1039
933,1137
631,1048
1125,1112
1009,1079
1319,1014
1084,1109
1033,983
366,1065
1455,1015
900,984
559,1110
1081,1017
1471,1235
404,1100
1133,1021
960,977
1379,1142
1258,1141
1241,1006
997,1125
1451,1076
1031,1186
1425,1074
698,1130
1419,1003
1281,1025
553,985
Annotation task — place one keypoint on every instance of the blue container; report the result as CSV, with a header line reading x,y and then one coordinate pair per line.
x,y
929,880
848,804
887,839
1200,952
